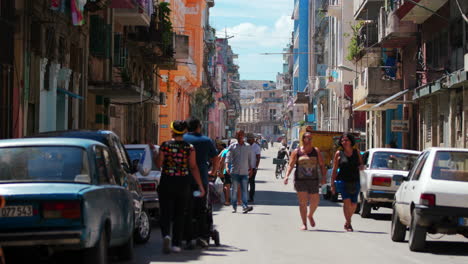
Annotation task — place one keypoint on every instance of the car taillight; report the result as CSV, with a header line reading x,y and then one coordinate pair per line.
x,y
148,187
68,210
427,199
381,181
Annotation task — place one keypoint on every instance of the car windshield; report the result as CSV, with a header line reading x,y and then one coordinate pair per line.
x,y
393,161
139,154
451,166
39,164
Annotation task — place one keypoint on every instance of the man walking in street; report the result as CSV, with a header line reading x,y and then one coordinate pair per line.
x,y
205,151
242,161
256,151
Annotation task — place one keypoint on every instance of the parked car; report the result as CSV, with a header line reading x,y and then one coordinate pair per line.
x,y
123,170
432,198
63,194
148,175
377,187
293,145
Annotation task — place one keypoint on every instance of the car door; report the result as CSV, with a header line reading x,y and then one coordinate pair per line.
x,y
408,188
119,199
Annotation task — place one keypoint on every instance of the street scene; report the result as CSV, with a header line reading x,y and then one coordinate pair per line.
x,y
208,131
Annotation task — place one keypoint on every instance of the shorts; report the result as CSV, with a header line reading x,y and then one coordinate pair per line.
x,y
308,186
347,194
227,179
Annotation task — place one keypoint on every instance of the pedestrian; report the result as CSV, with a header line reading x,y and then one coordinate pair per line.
x,y
177,161
225,176
345,176
271,141
256,152
200,220
241,159
309,165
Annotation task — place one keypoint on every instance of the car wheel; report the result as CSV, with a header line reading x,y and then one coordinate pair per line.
x,y
365,208
417,236
143,231
126,251
398,230
99,253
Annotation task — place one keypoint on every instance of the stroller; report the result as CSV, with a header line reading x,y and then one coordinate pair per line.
x,y
213,198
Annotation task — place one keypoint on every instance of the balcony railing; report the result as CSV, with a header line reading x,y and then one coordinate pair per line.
x,y
368,35
371,87
394,33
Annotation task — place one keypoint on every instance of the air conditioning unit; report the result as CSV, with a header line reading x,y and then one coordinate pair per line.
x,y
162,98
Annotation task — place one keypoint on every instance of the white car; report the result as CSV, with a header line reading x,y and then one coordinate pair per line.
x,y
148,175
377,187
433,198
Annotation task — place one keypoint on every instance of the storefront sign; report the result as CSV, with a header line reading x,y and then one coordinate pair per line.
x,y
400,126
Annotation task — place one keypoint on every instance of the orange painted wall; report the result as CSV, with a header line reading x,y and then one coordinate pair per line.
x,y
186,18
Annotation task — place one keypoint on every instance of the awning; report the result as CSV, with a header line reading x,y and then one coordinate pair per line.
x,y
391,99
73,95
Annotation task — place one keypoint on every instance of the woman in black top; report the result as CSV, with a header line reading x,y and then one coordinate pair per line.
x,y
349,162
177,161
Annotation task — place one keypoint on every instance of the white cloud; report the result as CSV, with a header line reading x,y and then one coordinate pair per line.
x,y
249,35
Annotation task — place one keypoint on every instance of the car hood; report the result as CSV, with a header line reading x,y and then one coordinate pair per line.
x,y
72,190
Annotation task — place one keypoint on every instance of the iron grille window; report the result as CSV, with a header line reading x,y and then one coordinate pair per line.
x,y
120,51
100,37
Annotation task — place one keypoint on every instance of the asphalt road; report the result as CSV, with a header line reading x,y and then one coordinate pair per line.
x,y
270,234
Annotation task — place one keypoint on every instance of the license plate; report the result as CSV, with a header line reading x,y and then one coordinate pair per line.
x,y
463,221
16,211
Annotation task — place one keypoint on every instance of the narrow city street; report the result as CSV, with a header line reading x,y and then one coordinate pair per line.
x,y
270,234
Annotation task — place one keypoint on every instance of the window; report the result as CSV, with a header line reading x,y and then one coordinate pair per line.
x,y
110,174
101,166
417,169
272,114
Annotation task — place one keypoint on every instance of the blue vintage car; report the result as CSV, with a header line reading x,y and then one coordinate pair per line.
x,y
61,193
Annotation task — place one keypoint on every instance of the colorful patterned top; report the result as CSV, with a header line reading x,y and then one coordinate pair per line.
x,y
307,165
176,158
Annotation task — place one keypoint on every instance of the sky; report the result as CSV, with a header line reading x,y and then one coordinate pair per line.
x,y
256,26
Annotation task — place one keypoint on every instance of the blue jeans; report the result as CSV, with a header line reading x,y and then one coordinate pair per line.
x,y
243,180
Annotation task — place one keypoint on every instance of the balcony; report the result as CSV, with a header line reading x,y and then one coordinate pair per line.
x,y
394,33
367,9
370,88
408,11
132,12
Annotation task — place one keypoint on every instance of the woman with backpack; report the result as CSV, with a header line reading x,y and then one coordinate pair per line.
x,y
309,165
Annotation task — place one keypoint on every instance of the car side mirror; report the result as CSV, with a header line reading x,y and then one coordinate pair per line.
x,y
399,178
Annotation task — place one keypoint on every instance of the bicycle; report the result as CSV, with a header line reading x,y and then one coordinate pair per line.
x,y
281,166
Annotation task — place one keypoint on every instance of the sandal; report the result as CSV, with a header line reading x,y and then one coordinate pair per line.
x,y
348,227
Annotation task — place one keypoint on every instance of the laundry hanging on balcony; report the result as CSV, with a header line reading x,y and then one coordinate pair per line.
x,y
77,9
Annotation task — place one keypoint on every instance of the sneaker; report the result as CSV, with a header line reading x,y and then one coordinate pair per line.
x,y
247,209
176,249
166,245
234,210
